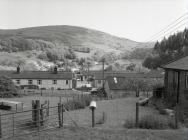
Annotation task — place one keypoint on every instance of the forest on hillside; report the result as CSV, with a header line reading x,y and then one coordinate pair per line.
x,y
167,50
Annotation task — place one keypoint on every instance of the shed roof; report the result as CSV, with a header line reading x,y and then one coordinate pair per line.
x,y
117,83
151,74
37,75
180,64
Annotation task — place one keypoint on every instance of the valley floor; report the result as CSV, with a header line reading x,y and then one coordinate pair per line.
x,y
108,134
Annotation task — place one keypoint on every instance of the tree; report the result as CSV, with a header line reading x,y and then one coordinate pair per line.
x,y
168,50
7,87
131,67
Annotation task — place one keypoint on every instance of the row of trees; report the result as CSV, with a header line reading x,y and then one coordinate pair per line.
x,y
7,87
55,54
138,53
140,84
167,50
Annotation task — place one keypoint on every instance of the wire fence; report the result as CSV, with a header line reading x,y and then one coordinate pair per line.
x,y
110,113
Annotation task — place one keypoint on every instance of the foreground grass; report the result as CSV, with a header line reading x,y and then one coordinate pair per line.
x,y
108,134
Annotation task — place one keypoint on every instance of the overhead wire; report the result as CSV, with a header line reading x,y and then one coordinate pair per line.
x,y
184,16
172,27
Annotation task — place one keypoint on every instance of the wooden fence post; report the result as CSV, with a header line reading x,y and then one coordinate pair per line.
x,y
0,127
176,115
137,115
41,115
59,114
62,108
38,113
93,117
13,124
34,116
22,106
48,108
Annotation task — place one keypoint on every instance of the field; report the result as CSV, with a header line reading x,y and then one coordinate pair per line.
x,y
52,95
109,134
114,111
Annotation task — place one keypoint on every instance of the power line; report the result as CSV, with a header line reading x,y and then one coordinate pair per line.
x,y
169,28
185,14
173,25
175,29
166,34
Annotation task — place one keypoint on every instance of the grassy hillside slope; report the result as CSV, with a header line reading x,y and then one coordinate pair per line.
x,y
59,43
70,36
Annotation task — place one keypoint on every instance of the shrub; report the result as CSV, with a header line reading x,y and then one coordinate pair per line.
x,y
129,123
7,88
102,119
80,103
151,122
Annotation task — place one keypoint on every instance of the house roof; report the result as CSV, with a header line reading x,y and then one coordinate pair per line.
x,y
155,74
151,74
99,74
180,64
37,75
117,83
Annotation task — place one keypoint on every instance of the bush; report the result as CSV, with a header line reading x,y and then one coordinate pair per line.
x,y
7,88
129,123
151,122
80,103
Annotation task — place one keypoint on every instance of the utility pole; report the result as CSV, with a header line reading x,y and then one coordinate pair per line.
x,y
88,65
103,60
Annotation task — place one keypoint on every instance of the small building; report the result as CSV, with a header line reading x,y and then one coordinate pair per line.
x,y
115,86
116,83
176,81
43,79
99,80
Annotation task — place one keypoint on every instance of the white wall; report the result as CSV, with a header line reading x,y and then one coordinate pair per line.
x,y
48,84
97,84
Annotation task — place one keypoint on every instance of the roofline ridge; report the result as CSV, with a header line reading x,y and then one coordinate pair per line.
x,y
162,66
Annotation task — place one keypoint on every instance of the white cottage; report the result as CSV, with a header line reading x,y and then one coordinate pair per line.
x,y
43,79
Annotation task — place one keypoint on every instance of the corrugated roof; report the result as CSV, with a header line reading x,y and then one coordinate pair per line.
x,y
180,64
117,83
37,75
99,75
114,74
155,74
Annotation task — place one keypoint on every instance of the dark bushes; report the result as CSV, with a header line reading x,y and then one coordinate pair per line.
x,y
78,103
151,122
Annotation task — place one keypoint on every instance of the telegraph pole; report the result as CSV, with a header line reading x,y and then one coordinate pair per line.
x,y
103,60
88,65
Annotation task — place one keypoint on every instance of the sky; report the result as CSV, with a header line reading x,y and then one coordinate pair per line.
x,y
133,19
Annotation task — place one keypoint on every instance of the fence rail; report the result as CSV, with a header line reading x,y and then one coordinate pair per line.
x,y
21,123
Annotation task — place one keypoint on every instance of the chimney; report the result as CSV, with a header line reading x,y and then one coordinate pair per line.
x,y
18,69
55,69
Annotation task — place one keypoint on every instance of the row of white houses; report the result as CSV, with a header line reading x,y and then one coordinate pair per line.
x,y
67,80
42,79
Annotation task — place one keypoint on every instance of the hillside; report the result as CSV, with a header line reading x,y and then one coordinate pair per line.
x,y
70,36
66,42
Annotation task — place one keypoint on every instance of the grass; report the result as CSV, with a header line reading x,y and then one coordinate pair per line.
x,y
116,112
151,122
78,103
110,118
108,134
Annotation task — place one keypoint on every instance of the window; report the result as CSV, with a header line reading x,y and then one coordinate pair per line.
x,y
39,82
30,82
186,80
18,81
67,82
54,82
